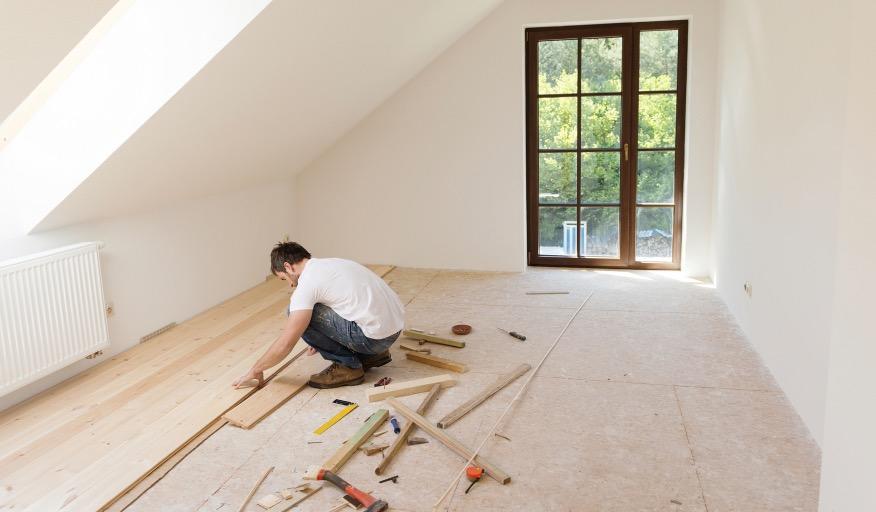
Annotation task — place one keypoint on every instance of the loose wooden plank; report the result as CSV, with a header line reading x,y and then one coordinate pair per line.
x,y
275,393
406,430
439,362
410,387
340,457
406,345
448,441
479,398
417,335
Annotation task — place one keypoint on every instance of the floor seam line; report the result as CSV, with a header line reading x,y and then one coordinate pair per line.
x,y
693,458
585,379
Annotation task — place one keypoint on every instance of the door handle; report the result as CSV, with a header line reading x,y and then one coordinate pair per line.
x,y
627,152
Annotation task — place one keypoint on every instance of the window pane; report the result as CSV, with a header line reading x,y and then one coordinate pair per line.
x,y
556,178
599,232
557,66
654,233
655,182
600,177
556,231
657,120
600,121
658,60
556,123
601,64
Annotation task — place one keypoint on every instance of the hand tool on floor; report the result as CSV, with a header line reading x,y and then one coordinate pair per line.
x,y
395,427
383,382
336,418
513,334
461,329
371,503
474,475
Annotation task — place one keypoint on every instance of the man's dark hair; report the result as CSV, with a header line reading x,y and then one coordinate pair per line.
x,y
287,252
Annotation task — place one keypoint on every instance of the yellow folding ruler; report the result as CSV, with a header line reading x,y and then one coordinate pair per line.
x,y
336,418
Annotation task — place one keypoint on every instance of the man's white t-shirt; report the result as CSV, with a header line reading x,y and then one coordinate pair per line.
x,y
354,292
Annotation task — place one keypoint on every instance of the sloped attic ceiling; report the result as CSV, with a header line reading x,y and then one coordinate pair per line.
x,y
34,36
291,83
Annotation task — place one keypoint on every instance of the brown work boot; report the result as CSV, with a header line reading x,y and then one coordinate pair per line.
x,y
337,375
373,361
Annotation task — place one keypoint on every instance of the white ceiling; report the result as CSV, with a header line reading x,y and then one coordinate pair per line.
x,y
34,36
291,84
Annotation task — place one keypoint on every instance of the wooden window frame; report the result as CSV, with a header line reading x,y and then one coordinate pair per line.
x,y
629,101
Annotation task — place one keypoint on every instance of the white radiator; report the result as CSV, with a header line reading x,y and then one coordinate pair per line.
x,y
51,313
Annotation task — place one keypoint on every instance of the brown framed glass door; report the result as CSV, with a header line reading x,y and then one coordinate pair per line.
x,y
605,138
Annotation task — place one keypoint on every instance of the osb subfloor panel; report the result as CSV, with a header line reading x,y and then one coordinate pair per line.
x,y
652,401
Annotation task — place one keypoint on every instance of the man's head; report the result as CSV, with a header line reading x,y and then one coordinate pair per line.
x,y
288,260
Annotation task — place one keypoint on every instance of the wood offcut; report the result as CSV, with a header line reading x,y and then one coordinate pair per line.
x,y
438,362
410,387
422,336
500,383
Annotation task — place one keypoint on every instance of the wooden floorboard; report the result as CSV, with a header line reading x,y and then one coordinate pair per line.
x,y
88,441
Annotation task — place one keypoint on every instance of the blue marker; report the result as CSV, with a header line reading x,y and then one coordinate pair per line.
x,y
395,427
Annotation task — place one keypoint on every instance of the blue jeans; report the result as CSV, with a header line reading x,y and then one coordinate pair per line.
x,y
340,340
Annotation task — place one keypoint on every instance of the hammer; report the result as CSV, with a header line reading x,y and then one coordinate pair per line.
x,y
372,503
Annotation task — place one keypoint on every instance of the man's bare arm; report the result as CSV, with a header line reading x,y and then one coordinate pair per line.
x,y
279,349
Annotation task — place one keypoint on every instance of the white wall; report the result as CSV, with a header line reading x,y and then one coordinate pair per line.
x,y
168,265
135,66
781,131
436,175
849,447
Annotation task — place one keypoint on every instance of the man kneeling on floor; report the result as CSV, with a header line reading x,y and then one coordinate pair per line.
x,y
340,309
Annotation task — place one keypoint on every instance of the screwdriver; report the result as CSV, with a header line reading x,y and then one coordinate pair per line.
x,y
514,334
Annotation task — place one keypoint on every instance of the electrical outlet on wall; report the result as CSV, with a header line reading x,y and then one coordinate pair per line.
x,y
747,288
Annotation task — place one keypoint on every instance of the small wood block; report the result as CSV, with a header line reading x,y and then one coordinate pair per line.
x,y
269,500
417,440
406,345
410,387
287,493
439,362
372,448
416,335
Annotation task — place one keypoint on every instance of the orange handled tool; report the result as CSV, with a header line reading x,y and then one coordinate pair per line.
x,y
474,474
371,503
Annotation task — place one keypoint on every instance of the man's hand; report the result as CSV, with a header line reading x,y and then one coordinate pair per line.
x,y
311,351
246,381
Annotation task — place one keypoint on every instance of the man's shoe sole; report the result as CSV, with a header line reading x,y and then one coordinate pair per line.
x,y
379,362
353,382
